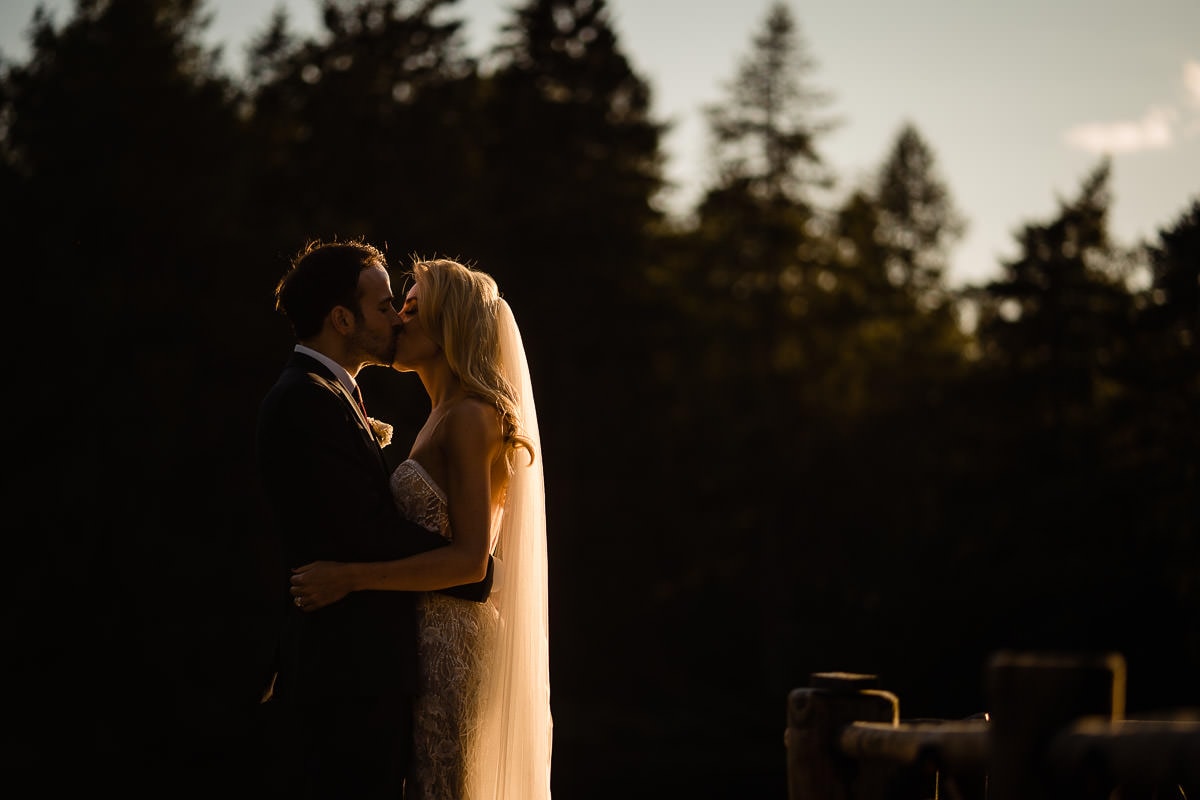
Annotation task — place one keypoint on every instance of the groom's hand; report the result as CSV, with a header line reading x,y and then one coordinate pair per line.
x,y
476,592
319,584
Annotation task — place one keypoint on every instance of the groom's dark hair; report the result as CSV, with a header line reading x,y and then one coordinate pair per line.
x,y
323,275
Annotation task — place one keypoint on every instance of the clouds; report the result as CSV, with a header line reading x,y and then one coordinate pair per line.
x,y
1191,84
1191,81
1159,128
1151,132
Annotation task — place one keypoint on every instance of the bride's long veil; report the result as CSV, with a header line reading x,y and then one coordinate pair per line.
x,y
515,741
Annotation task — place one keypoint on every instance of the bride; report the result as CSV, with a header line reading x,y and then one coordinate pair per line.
x,y
482,725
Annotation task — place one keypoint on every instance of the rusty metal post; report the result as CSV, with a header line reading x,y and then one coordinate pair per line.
x,y
1034,696
816,768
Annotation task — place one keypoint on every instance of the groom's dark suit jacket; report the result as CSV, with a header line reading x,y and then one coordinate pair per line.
x,y
326,481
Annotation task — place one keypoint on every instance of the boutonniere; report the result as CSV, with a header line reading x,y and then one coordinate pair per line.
x,y
383,431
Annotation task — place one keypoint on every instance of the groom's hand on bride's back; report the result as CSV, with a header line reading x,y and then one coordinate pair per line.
x,y
478,592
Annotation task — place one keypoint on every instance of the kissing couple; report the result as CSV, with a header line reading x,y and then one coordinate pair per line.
x,y
413,661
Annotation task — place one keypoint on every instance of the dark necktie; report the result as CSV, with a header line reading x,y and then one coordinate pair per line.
x,y
358,396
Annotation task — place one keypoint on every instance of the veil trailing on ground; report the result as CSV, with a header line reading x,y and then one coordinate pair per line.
x,y
516,734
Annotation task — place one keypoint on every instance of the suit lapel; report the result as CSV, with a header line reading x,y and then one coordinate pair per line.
x,y
315,367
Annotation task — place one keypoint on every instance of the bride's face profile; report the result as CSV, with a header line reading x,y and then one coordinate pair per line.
x,y
413,342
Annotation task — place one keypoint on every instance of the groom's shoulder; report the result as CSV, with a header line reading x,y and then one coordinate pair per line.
x,y
302,383
301,370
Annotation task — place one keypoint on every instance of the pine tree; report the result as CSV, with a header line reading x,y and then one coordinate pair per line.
x,y
756,225
1173,308
1161,448
573,166
1060,312
88,154
766,135
364,127
1054,331
573,148
919,222
1155,440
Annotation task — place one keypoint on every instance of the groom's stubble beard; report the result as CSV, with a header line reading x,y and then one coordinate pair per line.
x,y
380,351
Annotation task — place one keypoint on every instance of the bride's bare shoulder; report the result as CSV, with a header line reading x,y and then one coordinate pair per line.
x,y
473,419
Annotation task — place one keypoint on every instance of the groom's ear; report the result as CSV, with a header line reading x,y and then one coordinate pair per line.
x,y
342,319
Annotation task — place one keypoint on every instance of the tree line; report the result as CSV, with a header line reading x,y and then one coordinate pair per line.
x,y
777,440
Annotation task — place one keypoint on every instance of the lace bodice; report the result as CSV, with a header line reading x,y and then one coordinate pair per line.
x,y
419,498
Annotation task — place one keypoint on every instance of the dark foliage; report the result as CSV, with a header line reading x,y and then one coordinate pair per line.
x,y
771,447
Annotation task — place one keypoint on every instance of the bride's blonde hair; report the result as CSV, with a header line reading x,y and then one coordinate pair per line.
x,y
459,307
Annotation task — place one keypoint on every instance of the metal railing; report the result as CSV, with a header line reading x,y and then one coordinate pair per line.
x,y
1055,729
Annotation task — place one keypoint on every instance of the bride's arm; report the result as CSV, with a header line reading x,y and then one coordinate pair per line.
x,y
472,440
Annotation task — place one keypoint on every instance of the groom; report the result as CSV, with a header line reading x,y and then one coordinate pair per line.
x,y
346,673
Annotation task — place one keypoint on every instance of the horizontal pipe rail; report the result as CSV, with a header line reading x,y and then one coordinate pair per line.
x,y
1127,751
954,745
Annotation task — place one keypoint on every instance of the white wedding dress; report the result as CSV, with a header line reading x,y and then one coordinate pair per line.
x,y
456,639
483,728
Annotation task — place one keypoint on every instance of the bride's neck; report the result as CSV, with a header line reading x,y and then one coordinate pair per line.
x,y
443,388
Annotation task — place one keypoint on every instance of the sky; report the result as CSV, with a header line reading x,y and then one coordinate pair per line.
x,y
1018,100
